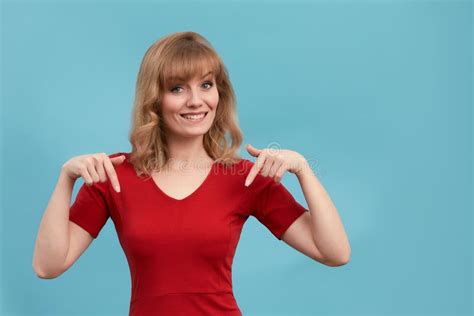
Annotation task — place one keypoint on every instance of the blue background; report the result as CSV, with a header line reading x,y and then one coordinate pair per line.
x,y
377,95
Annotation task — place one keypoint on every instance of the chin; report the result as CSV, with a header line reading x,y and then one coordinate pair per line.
x,y
195,132
192,131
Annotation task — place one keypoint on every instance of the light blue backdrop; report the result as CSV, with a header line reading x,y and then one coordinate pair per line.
x,y
376,94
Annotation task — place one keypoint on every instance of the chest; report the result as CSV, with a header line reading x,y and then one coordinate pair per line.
x,y
179,185
192,213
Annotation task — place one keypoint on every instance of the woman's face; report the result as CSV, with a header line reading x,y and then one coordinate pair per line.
x,y
198,96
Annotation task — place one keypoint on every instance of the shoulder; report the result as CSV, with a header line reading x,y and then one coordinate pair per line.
x,y
260,181
120,171
118,153
239,167
119,168
246,165
240,171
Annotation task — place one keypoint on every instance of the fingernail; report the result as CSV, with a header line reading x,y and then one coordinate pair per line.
x,y
246,183
117,188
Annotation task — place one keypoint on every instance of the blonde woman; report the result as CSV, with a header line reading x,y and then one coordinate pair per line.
x,y
180,198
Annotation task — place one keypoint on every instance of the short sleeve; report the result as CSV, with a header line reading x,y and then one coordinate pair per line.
x,y
90,210
273,205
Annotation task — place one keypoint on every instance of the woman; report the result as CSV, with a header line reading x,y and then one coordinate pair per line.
x,y
180,198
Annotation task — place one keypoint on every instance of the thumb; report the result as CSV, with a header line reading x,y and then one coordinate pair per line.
x,y
253,151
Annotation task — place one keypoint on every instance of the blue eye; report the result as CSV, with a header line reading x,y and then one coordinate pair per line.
x,y
177,87
210,83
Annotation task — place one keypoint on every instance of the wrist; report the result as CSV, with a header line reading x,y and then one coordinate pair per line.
x,y
303,167
64,176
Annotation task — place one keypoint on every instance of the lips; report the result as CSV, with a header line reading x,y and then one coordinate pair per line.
x,y
192,113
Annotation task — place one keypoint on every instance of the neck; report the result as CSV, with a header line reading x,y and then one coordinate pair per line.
x,y
187,153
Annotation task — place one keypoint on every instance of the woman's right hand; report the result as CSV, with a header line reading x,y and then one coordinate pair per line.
x,y
93,168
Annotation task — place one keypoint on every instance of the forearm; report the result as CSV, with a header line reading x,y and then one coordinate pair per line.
x,y
328,231
52,241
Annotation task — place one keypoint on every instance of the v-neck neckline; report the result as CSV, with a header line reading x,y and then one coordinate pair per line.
x,y
187,197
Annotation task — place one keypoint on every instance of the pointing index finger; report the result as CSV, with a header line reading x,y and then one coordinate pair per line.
x,y
112,175
254,170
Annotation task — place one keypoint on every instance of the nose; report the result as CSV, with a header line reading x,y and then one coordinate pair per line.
x,y
194,99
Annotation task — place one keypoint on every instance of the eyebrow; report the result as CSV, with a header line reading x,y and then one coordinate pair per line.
x,y
210,72
181,78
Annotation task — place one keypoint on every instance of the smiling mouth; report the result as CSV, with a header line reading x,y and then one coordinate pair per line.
x,y
194,117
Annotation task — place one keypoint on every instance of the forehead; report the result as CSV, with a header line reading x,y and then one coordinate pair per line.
x,y
185,68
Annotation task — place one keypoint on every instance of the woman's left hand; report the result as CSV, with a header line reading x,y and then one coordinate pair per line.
x,y
274,163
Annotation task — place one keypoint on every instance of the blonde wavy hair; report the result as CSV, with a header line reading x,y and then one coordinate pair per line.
x,y
181,55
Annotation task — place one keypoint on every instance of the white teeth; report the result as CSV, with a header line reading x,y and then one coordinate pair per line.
x,y
194,117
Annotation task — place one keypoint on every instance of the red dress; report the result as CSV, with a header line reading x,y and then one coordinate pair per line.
x,y
180,252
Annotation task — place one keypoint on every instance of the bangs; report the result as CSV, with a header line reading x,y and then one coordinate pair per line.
x,y
188,62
